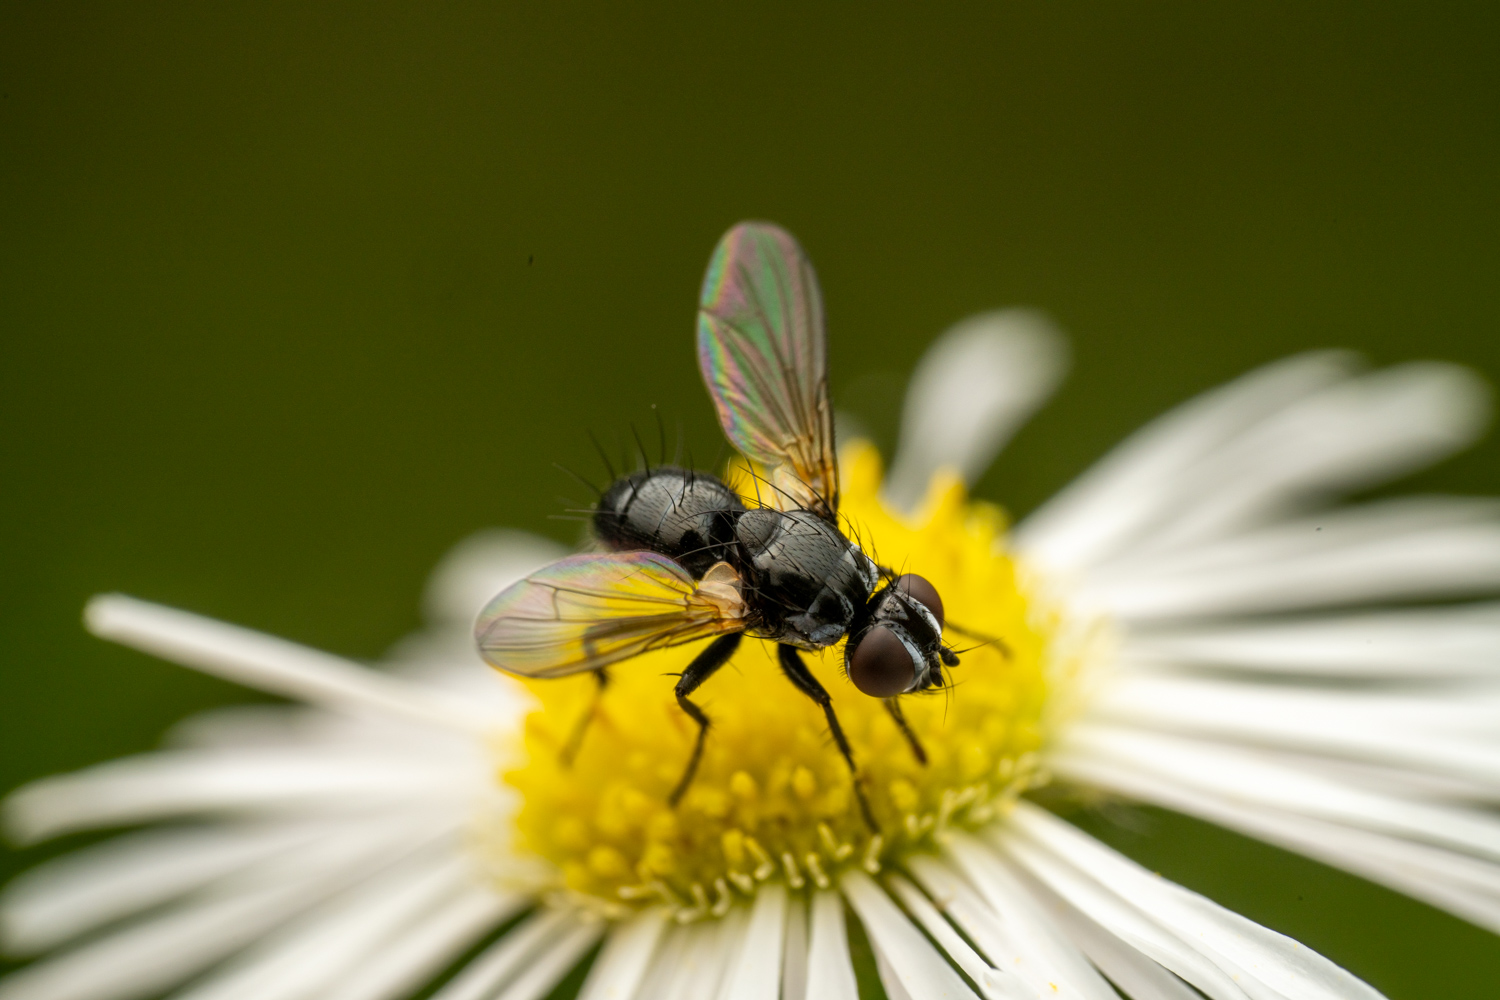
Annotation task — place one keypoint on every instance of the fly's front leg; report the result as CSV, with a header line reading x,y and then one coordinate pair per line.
x,y
894,707
701,669
796,671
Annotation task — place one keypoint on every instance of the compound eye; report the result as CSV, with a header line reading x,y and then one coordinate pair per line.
x,y
916,586
881,666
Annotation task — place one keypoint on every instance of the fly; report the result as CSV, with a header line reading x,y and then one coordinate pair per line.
x,y
687,558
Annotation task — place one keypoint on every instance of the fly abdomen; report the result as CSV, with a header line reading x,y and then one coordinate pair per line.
x,y
686,515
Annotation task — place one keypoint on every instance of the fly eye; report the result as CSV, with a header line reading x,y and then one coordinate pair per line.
x,y
881,666
916,586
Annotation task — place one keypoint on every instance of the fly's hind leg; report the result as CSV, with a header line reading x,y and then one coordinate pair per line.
x,y
894,707
796,671
575,738
701,669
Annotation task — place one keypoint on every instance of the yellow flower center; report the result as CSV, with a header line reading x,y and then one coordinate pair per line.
x,y
773,798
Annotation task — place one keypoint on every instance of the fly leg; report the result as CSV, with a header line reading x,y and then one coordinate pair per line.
x,y
701,669
796,671
894,707
575,738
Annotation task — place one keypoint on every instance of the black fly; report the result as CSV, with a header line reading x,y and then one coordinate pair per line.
x,y
689,559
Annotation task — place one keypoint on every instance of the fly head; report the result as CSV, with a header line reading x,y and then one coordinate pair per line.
x,y
896,646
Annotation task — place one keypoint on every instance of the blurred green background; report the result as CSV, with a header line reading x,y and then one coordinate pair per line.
x,y
294,297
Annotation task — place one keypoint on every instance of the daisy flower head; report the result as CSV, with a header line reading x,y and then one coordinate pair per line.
x,y
1199,622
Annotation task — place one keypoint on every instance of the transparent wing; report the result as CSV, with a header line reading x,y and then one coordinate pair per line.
x,y
588,611
763,355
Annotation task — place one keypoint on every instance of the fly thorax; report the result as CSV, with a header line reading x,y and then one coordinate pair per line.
x,y
809,579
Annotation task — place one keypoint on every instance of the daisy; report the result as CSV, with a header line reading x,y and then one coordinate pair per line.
x,y
1181,626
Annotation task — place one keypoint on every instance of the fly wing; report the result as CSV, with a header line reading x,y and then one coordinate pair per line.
x,y
587,611
764,357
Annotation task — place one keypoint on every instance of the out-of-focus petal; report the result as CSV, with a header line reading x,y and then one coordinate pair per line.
x,y
339,942
1241,774
1410,548
271,664
972,390
478,568
508,957
156,952
1426,644
755,973
1351,435
160,785
1450,733
794,951
830,973
623,964
560,954
1128,491
80,891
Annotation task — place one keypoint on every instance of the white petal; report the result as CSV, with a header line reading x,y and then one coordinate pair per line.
x,y
1446,733
622,966
315,732
794,950
1049,962
1459,710
756,972
1355,434
830,972
972,389
143,958
260,726
153,786
1387,550
957,898
1134,486
306,957
83,890
1466,886
992,982
1008,941
670,957
1387,779
514,951
548,969
920,970
1427,644
1127,924
1242,775
890,982
707,948
271,664
1133,971
1285,967
478,568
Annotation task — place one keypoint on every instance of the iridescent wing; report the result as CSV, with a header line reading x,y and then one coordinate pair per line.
x,y
763,355
588,611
